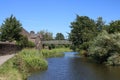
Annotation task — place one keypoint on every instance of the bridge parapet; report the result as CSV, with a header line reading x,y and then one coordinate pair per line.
x,y
57,42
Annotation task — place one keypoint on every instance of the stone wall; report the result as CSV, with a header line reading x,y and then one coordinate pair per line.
x,y
8,48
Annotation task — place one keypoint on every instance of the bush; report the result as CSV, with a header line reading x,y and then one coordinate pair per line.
x,y
30,44
23,42
85,45
31,60
104,46
114,60
83,53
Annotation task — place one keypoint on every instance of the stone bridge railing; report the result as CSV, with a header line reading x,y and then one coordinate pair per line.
x,y
57,42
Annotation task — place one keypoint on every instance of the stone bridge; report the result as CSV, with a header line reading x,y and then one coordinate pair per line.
x,y
57,42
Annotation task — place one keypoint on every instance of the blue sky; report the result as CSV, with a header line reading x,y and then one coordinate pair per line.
x,y
56,15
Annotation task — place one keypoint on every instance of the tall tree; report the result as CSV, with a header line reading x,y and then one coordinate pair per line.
x,y
46,35
114,26
59,36
100,24
83,29
0,30
10,29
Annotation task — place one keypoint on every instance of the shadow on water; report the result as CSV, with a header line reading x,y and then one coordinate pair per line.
x,y
72,67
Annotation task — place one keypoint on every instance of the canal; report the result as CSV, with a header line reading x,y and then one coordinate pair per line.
x,y
72,67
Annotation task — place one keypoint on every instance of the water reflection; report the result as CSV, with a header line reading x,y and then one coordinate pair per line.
x,y
71,67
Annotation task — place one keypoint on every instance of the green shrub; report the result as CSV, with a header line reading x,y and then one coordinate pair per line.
x,y
83,53
23,42
31,59
104,46
114,60
30,44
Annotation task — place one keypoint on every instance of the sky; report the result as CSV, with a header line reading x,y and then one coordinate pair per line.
x,y
56,15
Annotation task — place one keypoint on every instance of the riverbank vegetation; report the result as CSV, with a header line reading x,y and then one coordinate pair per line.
x,y
105,48
26,62
57,52
95,39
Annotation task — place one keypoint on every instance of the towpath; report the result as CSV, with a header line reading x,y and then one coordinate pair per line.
x,y
5,58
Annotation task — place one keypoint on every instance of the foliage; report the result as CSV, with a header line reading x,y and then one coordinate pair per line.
x,y
114,27
46,35
83,30
7,72
49,46
114,60
62,46
105,46
0,29
10,29
51,53
31,44
100,24
23,42
57,52
59,36
30,60
83,53
23,64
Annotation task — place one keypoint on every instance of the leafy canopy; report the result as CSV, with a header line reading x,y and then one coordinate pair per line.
x,y
105,45
59,36
46,35
114,26
83,29
10,29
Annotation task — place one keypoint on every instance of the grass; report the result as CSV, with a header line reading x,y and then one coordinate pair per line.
x,y
23,64
26,62
8,72
58,52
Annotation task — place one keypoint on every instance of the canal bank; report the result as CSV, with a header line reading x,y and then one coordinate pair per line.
x,y
72,67
26,62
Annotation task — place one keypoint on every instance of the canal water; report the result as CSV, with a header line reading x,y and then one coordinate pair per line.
x,y
72,67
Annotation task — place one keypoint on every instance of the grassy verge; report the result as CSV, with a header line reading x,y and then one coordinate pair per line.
x,y
23,64
58,52
26,62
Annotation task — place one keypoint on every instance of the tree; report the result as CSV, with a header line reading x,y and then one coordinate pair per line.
x,y
114,26
23,42
83,29
10,29
0,29
100,24
46,35
0,33
59,36
106,48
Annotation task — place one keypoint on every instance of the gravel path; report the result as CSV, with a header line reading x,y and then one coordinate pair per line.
x,y
5,58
